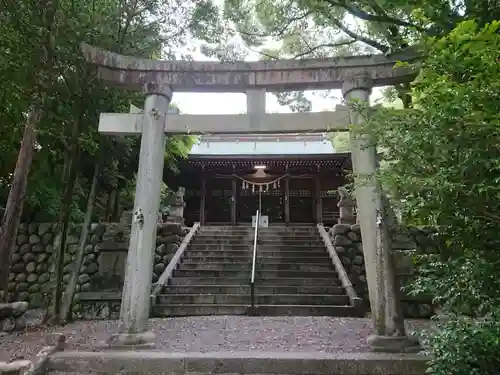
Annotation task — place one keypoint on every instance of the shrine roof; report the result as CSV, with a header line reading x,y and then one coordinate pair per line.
x,y
262,145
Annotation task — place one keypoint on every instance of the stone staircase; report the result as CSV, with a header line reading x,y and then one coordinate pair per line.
x,y
294,275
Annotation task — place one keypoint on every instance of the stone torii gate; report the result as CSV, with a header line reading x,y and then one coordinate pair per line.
x,y
159,79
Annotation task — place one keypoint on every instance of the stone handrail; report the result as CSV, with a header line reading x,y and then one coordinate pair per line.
x,y
167,274
344,278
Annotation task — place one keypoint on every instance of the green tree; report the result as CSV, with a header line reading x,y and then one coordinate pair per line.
x,y
44,74
443,169
298,29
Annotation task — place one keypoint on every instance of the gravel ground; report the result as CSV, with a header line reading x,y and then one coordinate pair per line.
x,y
216,333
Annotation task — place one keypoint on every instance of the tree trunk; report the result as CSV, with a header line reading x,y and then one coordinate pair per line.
x,y
110,205
116,208
13,209
59,259
71,287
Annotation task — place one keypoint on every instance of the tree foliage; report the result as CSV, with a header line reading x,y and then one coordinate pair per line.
x,y
300,29
141,28
443,167
52,94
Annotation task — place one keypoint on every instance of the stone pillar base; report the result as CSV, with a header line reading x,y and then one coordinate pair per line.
x,y
143,340
393,344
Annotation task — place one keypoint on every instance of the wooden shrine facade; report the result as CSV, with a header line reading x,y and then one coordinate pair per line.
x,y
225,189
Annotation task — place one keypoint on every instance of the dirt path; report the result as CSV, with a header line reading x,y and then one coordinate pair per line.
x,y
217,333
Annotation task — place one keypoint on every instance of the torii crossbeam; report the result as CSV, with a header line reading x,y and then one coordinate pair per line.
x,y
132,123
158,79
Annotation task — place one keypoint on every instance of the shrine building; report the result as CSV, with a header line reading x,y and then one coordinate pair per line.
x,y
290,178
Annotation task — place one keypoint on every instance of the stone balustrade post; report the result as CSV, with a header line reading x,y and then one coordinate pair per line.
x,y
134,312
346,207
388,323
176,213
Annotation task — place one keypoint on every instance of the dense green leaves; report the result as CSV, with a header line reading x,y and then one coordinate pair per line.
x,y
442,166
74,96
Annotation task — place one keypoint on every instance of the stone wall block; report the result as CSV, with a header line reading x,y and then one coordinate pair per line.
x,y
356,228
41,268
17,268
89,249
16,257
21,277
72,249
170,228
353,236
171,248
22,239
340,229
94,239
340,250
72,239
341,240
90,268
44,228
43,278
98,229
167,258
170,238
161,250
159,268
13,316
42,258
25,249
38,248
32,228
29,257
89,258
31,267
34,239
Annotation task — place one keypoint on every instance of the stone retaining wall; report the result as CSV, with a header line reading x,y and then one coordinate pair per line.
x,y
31,278
32,272
12,316
347,242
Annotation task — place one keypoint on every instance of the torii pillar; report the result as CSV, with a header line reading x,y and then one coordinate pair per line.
x,y
388,323
134,312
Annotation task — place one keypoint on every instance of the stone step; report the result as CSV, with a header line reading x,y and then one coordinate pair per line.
x,y
199,310
273,229
309,310
270,235
245,289
248,258
261,310
283,254
260,248
268,281
260,241
259,265
260,299
259,274
286,359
